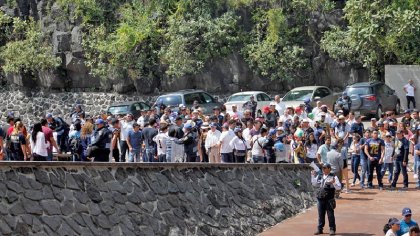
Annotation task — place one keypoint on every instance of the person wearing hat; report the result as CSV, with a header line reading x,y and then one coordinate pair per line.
x,y
99,149
326,183
375,149
393,227
401,159
190,142
77,113
212,143
239,145
126,126
204,157
251,105
406,222
407,118
269,146
61,128
175,130
388,161
344,102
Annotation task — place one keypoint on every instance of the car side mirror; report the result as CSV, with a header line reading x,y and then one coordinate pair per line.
x,y
317,98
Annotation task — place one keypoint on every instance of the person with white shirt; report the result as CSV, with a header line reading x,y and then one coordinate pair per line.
x,y
126,126
409,93
226,151
280,107
317,109
212,143
239,145
257,142
235,112
38,144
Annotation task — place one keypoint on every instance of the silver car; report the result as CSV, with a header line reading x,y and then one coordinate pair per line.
x,y
297,96
239,99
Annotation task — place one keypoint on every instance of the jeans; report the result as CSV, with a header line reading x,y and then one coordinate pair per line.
x,y
124,149
365,170
62,140
258,159
398,168
227,157
324,206
390,168
418,171
355,162
412,100
134,156
162,158
375,165
150,154
416,164
50,156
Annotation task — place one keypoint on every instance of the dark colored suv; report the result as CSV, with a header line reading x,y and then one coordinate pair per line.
x,y
187,98
372,98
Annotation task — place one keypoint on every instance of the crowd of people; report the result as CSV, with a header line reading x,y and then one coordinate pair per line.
x,y
404,227
184,134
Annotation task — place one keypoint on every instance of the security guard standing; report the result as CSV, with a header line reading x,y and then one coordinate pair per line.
x,y
327,183
102,142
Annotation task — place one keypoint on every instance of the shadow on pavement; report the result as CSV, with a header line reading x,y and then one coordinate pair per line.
x,y
353,234
356,199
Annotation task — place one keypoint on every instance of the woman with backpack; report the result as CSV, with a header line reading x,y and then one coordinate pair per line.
x,y
18,147
38,144
75,142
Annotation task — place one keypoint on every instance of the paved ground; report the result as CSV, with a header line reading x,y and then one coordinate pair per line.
x,y
359,213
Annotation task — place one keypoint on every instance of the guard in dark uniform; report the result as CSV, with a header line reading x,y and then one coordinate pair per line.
x,y
327,183
100,147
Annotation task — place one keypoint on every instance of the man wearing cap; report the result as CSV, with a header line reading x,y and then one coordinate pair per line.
x,y
126,126
410,93
269,146
77,113
212,143
407,118
406,222
62,129
175,130
251,105
401,159
375,150
190,142
100,146
327,183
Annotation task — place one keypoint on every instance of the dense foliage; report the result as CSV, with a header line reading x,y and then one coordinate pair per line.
x,y
379,32
145,39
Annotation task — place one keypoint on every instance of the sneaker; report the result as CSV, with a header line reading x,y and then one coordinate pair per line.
x,y
332,232
352,185
318,232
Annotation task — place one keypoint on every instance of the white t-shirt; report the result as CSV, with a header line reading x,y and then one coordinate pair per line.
x,y
224,140
257,143
410,90
390,233
238,144
125,128
389,150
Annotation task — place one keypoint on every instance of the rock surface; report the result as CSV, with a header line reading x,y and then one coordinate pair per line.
x,y
156,199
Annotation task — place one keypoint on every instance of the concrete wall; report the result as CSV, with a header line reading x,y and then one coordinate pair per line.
x,y
149,199
396,76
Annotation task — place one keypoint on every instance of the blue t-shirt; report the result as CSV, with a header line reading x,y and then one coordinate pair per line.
x,y
404,227
135,139
357,128
375,147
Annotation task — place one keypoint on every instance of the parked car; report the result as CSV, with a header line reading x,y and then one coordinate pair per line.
x,y
187,98
239,99
297,96
372,98
124,108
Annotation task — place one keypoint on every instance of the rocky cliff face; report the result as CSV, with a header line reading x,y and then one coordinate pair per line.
x,y
224,75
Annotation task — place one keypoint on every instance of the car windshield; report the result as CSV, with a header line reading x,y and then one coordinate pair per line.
x,y
172,100
118,109
358,91
297,95
239,98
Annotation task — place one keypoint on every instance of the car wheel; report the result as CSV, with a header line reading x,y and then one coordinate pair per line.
x,y
379,112
397,108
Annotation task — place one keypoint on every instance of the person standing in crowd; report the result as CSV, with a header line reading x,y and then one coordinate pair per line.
x,y
75,142
388,162
62,129
269,146
323,150
364,162
212,143
100,146
204,157
335,160
38,144
375,150
327,183
355,158
394,227
86,139
126,126
176,128
190,143
251,105
148,134
18,143
78,113
272,116
115,129
238,143
410,90
49,137
218,116
406,222
401,159
134,143
226,151
311,147
257,142
280,107
161,140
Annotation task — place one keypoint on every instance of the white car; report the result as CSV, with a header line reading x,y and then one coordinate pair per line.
x,y
239,99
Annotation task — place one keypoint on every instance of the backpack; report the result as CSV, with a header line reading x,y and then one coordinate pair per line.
x,y
75,145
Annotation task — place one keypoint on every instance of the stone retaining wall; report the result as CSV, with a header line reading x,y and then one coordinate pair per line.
x,y
149,199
